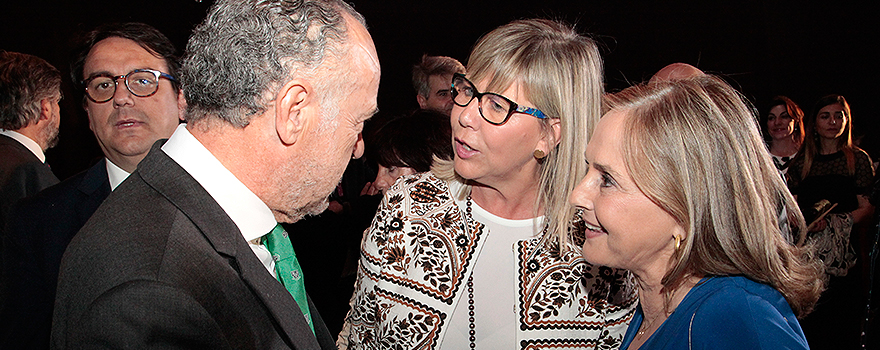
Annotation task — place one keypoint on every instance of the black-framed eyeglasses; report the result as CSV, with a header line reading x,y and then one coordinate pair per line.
x,y
140,82
498,108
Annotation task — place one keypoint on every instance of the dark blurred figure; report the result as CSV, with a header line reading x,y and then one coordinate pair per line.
x,y
784,131
409,145
30,89
871,326
127,117
431,79
830,173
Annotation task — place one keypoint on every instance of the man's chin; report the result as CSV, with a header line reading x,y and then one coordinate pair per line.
x,y
311,209
53,142
316,208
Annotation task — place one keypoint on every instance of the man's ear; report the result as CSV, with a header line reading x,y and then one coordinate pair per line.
x,y
181,105
423,102
292,108
45,109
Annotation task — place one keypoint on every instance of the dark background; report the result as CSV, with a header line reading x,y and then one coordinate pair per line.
x,y
764,48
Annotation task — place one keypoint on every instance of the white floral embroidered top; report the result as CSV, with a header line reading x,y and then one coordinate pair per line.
x,y
416,259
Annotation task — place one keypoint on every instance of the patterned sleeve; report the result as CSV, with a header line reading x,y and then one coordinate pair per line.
x,y
864,173
359,311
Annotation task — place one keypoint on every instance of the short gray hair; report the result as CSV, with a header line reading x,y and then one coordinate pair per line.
x,y
25,80
433,65
245,48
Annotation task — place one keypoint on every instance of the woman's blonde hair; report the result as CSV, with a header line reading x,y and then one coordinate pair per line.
x,y
561,72
694,148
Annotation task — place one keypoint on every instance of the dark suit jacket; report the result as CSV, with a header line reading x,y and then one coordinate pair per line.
x,y
22,174
35,241
161,265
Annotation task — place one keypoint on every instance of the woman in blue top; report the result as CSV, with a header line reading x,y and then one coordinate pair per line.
x,y
676,194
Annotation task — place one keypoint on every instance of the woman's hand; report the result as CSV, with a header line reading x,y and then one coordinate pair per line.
x,y
370,190
818,226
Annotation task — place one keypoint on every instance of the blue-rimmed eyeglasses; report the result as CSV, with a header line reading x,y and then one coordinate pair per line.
x,y
140,82
498,108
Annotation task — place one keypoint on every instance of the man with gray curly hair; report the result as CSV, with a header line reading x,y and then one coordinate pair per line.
x,y
30,89
277,92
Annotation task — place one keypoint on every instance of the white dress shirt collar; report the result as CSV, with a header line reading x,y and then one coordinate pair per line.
x,y
115,174
253,218
27,142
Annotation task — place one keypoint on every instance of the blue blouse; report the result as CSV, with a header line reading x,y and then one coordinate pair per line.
x,y
730,312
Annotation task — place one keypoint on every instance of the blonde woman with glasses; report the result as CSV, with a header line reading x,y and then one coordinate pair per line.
x,y
477,253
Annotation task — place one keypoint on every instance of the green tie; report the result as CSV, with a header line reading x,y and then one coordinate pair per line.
x,y
287,268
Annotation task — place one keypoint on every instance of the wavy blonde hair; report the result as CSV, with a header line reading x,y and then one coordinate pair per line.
x,y
561,72
694,148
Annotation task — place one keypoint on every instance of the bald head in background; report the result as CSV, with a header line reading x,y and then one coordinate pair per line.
x,y
676,71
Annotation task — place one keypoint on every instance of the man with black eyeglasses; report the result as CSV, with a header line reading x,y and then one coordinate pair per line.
x,y
128,74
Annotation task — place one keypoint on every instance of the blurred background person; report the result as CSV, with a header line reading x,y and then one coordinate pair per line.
x,y
30,89
443,242
675,71
783,127
709,276
831,171
409,145
431,77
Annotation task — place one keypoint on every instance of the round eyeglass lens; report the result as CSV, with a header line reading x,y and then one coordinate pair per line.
x,y
101,88
142,84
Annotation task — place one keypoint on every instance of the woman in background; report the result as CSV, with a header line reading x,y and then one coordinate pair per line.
x,y
666,207
477,252
409,145
833,171
784,128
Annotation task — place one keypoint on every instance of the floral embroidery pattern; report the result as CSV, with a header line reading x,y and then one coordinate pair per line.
x,y
557,296
418,252
407,324
419,239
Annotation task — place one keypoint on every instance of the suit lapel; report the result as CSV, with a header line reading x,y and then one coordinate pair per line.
x,y
327,340
171,181
93,190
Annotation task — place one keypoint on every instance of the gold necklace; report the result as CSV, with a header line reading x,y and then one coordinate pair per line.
x,y
646,326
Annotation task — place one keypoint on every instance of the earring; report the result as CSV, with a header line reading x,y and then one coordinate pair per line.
x,y
540,154
677,242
